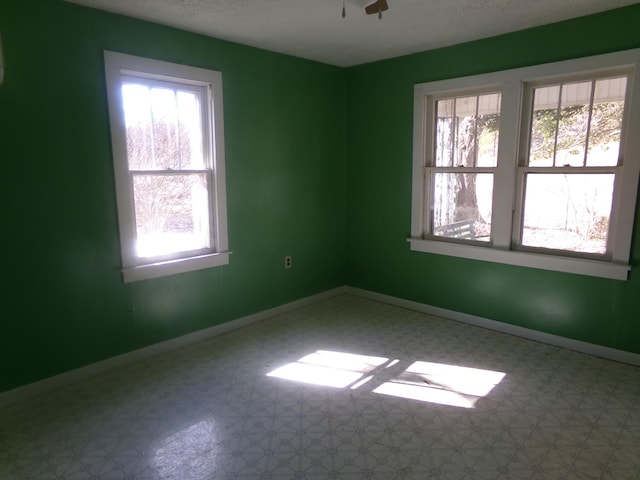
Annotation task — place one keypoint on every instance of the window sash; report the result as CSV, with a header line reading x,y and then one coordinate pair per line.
x,y
528,92
204,117
429,195
568,173
207,203
557,99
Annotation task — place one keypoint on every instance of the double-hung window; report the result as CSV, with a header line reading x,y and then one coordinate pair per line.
x,y
460,178
536,167
168,149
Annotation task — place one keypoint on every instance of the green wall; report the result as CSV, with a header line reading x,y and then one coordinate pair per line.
x,y
318,167
379,149
63,301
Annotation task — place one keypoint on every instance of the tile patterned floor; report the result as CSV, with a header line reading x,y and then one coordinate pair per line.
x,y
218,410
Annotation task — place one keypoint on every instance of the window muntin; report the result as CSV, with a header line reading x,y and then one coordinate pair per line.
x,y
465,138
599,159
167,136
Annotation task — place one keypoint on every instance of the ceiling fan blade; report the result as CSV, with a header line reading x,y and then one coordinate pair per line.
x,y
376,7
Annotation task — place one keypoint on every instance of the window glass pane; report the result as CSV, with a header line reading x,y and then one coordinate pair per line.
x,y
445,127
462,205
190,130
488,122
568,211
573,123
172,213
465,139
543,126
164,128
467,131
606,122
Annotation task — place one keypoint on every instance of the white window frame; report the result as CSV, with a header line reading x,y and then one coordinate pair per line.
x,y
134,268
430,129
507,191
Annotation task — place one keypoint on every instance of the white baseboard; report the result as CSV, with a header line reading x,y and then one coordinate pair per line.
x,y
558,341
72,376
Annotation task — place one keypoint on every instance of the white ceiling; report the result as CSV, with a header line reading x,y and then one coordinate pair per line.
x,y
315,29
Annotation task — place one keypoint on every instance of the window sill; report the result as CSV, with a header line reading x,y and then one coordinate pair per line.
x,y
555,263
172,267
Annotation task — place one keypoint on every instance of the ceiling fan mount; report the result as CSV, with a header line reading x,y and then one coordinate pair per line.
x,y
378,7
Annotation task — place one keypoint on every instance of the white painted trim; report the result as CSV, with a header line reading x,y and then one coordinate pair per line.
x,y
508,186
172,267
41,386
529,334
556,263
209,82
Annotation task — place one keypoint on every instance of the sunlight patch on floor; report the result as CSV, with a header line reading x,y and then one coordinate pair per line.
x,y
424,381
330,369
443,384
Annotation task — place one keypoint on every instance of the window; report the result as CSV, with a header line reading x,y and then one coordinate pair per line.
x,y
573,150
465,161
533,167
168,151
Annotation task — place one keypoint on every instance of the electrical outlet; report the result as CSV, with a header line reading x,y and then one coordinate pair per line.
x,y
287,261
